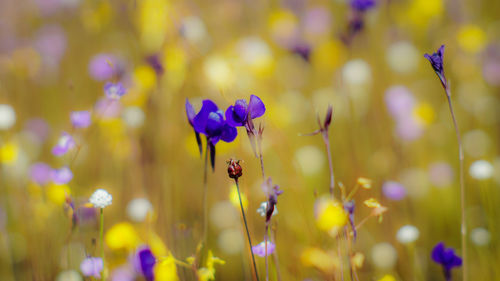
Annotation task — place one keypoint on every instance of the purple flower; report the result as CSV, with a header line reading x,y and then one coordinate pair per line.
x,y
302,49
436,60
210,122
260,249
349,206
447,258
155,63
107,108
363,5
65,143
144,262
41,173
92,266
62,175
237,114
123,273
104,67
273,191
394,190
114,90
80,119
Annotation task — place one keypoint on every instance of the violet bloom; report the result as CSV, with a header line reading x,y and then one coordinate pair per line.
x,y
104,67
260,249
41,173
92,267
114,90
273,191
349,207
436,60
64,144
210,122
62,175
447,258
394,190
144,262
237,114
363,5
81,119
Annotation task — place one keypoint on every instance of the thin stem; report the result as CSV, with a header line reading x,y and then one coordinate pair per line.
x,y
101,239
326,140
205,194
266,238
275,254
246,228
462,186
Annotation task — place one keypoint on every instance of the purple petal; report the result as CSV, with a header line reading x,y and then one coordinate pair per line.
x,y
114,90
61,176
230,119
256,107
437,252
200,120
260,249
229,133
41,173
81,119
394,190
65,143
103,67
92,266
215,123
144,262
190,112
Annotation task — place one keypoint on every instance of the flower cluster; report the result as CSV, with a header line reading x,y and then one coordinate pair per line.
x,y
447,258
100,198
210,121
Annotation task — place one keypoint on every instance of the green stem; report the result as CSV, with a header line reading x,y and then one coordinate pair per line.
x,y
205,194
246,228
101,239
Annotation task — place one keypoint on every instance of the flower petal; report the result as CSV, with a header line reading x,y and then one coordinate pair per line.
x,y
200,120
256,107
190,112
230,117
437,252
229,133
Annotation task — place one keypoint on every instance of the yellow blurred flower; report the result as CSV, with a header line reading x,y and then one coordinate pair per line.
x,y
327,56
424,113
218,71
357,260
422,11
9,152
233,197
330,215
387,277
156,244
122,236
154,22
282,23
175,62
56,193
372,203
166,270
144,78
365,183
207,273
94,19
471,38
315,257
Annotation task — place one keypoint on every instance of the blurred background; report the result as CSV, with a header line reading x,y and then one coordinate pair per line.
x,y
391,124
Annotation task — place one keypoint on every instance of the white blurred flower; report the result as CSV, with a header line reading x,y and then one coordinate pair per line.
x,y
133,116
7,116
101,198
310,159
384,255
480,236
407,234
138,209
69,275
481,170
402,57
263,207
357,72
231,241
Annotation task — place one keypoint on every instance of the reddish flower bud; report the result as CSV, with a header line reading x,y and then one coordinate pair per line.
x,y
234,169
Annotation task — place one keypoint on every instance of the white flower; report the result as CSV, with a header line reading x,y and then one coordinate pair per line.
x,y
138,209
7,116
481,170
480,236
384,255
101,198
407,234
263,207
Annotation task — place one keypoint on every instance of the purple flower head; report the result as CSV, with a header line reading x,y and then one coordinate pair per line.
x,y
394,190
436,60
273,191
81,119
41,173
210,122
114,90
260,249
155,63
64,144
302,49
363,5
144,262
104,67
447,258
61,176
237,114
92,267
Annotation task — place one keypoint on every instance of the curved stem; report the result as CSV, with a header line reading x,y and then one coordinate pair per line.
x,y
462,187
246,228
101,240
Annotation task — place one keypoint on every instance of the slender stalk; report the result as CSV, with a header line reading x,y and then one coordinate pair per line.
x,y
101,240
205,194
266,238
275,254
462,186
326,140
246,228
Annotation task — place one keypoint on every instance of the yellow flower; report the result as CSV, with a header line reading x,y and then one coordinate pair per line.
x,y
57,193
365,183
372,203
330,215
319,259
122,236
387,277
357,260
235,200
471,38
166,269
424,113
8,153
207,273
